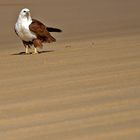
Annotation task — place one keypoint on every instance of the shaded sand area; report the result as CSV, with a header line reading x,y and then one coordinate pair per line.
x,y
86,86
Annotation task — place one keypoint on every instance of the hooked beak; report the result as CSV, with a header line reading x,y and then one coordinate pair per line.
x,y
27,13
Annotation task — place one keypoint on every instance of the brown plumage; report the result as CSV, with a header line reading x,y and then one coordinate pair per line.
x,y
41,31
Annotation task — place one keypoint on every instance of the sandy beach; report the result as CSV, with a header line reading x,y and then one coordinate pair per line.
x,y
86,86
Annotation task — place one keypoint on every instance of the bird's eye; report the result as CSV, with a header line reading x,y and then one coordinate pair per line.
x,y
24,11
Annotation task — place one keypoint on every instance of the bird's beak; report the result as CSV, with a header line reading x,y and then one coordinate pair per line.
x,y
27,13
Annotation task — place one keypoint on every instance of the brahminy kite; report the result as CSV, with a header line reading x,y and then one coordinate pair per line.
x,y
32,31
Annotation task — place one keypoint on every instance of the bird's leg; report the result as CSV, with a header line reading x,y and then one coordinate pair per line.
x,y
35,50
37,43
27,50
26,47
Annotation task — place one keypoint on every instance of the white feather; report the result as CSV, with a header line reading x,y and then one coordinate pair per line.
x,y
22,26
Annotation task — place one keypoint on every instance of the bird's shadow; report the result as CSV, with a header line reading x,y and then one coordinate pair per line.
x,y
39,52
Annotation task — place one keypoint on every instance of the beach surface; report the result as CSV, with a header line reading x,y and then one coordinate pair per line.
x,y
86,86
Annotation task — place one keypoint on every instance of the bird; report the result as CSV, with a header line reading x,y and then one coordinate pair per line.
x,y
32,31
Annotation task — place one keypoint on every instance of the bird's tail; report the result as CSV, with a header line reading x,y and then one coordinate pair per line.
x,y
51,29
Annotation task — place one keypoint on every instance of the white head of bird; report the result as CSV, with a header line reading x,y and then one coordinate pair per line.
x,y
25,14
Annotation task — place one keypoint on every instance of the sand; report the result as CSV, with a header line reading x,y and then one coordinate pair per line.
x,y
86,86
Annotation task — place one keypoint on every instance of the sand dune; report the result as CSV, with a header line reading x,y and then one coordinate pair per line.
x,y
83,87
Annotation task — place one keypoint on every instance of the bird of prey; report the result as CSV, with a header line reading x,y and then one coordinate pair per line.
x,y
32,31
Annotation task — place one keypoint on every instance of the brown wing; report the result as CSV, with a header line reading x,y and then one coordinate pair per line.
x,y
41,31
